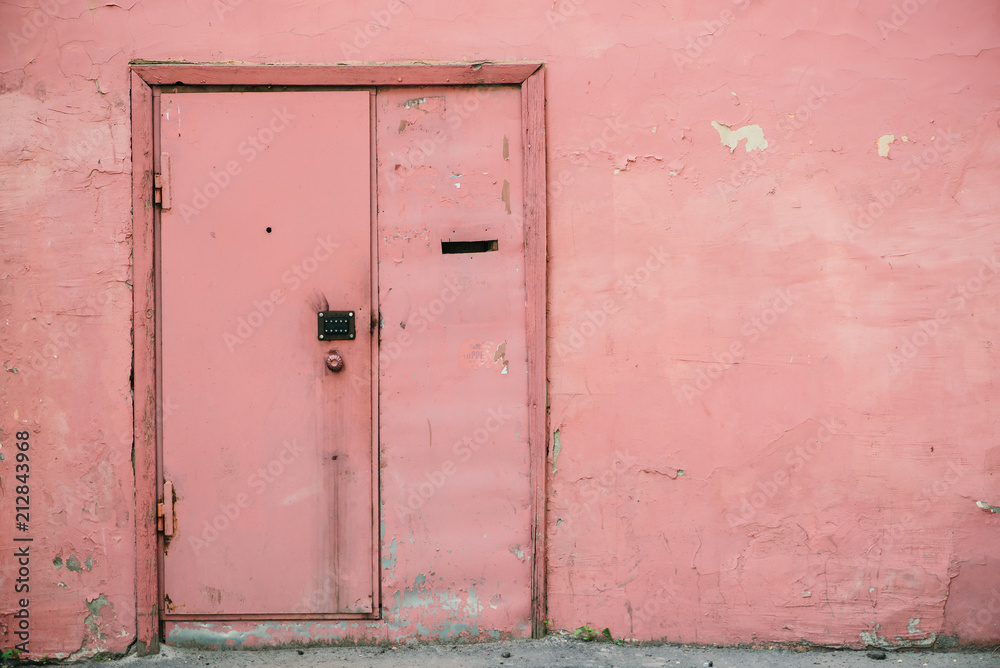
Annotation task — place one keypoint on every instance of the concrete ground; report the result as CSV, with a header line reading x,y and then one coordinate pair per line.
x,y
554,652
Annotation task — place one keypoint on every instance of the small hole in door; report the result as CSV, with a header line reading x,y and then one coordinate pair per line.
x,y
268,230
451,247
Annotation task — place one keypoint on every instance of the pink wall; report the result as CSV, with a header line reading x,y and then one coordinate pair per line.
x,y
771,364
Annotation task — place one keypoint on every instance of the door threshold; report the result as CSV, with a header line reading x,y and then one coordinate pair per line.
x,y
268,617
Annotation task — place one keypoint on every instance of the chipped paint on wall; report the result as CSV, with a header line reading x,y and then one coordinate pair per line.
x,y
389,560
556,449
883,143
988,507
753,134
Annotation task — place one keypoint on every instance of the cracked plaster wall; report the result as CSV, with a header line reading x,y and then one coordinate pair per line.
x,y
772,370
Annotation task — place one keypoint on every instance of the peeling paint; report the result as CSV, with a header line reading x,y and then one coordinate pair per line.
x,y
883,144
95,606
874,639
505,195
501,356
753,134
556,448
986,506
73,564
389,561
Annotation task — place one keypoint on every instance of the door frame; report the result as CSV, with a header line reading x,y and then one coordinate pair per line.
x,y
147,403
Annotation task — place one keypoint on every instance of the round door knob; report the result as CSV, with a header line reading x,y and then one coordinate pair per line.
x,y
334,361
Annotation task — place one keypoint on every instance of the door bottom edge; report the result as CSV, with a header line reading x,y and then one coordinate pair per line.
x,y
270,617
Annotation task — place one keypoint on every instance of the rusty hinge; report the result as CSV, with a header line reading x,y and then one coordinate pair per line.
x,y
165,510
161,182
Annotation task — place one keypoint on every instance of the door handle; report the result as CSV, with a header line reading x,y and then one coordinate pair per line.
x,y
334,361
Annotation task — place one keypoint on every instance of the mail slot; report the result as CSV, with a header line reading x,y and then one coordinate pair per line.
x,y
456,247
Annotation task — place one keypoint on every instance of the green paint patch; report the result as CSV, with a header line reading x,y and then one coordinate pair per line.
x,y
381,522
473,606
95,606
389,561
986,506
448,601
73,564
451,631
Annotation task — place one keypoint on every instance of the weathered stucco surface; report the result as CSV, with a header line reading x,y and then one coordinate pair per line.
x,y
773,277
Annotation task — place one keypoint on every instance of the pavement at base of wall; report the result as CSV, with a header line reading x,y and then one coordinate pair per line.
x,y
556,651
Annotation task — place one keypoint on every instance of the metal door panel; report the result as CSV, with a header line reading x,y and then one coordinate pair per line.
x,y
269,223
453,360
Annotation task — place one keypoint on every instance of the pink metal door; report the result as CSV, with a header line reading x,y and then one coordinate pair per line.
x,y
266,223
454,350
